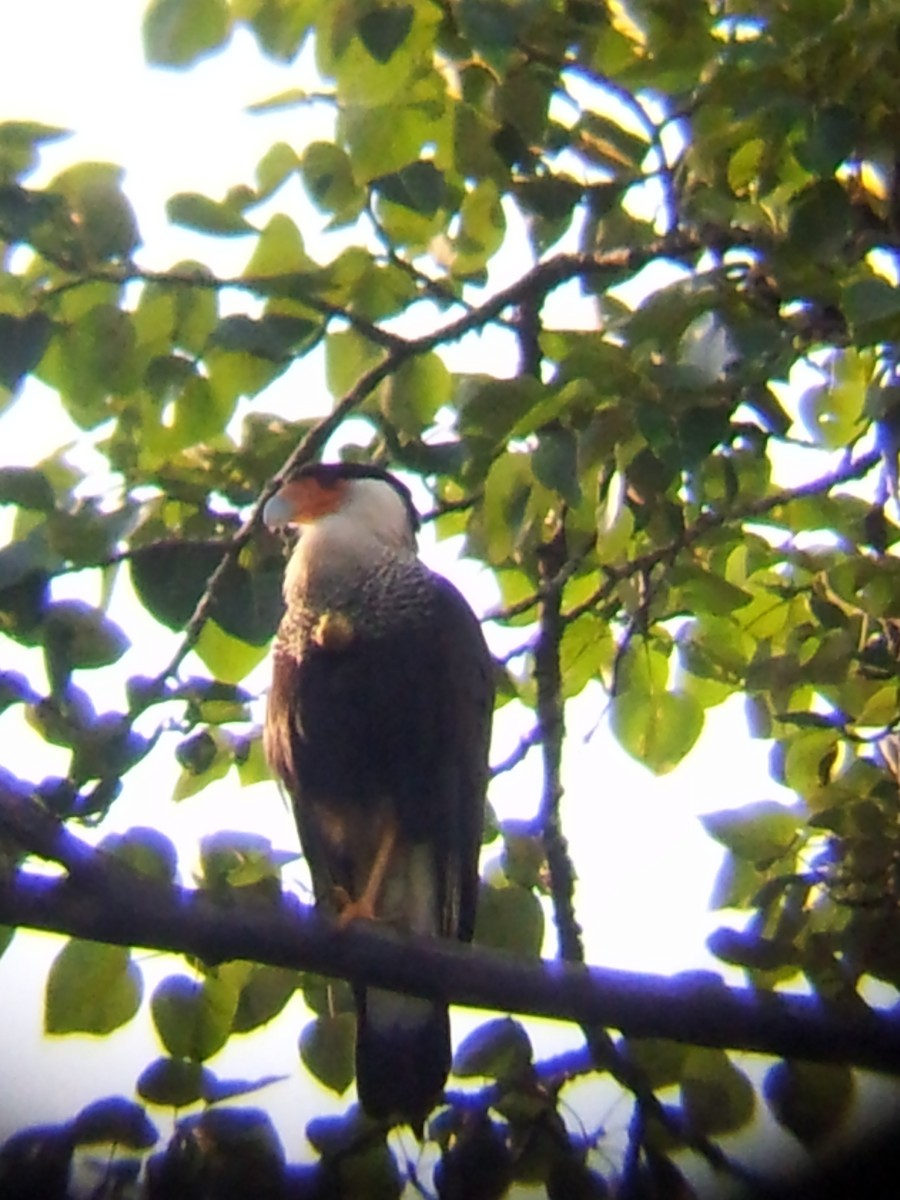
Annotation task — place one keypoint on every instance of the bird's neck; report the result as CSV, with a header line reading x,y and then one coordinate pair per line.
x,y
335,560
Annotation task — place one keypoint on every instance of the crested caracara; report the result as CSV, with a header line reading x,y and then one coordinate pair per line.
x,y
378,724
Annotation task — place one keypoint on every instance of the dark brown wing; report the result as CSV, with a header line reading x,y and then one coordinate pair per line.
x,y
461,761
401,717
392,723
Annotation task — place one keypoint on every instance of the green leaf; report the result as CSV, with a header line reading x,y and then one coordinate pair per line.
x,y
655,726
717,1098
753,952
107,749
587,652
103,224
216,1090
26,487
507,491
193,1019
497,407
79,636
91,359
510,918
492,26
481,232
206,216
327,1046
173,1083
419,186
115,1121
15,689
415,392
250,759
145,850
383,29
348,355
812,1100
170,579
327,174
498,1049
229,659
832,133
274,336
555,464
263,996
229,859
204,757
91,988
178,32
701,591
7,933
807,758
273,169
834,414
659,1060
821,219
736,883
279,253
19,143
23,341
869,300
759,832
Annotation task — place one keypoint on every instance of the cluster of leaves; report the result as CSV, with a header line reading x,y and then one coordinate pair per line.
x,y
643,452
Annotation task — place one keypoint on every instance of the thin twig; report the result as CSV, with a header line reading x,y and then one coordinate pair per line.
x,y
512,760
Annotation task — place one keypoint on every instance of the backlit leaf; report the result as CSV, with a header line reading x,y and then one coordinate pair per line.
x,y
91,988
716,1096
812,1100
383,28
193,1018
510,918
177,32
756,832
497,1048
206,216
327,1050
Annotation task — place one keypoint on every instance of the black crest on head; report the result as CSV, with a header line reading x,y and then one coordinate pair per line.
x,y
329,474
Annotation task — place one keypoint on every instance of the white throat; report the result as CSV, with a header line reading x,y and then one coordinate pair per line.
x,y
371,527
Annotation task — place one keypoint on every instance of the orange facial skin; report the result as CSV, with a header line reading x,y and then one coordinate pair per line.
x,y
304,500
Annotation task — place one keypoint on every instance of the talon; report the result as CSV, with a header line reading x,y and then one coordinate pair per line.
x,y
355,910
348,909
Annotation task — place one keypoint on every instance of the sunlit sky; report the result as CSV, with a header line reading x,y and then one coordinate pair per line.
x,y
644,863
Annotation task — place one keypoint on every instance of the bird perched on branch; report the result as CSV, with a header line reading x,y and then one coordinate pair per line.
x,y
378,724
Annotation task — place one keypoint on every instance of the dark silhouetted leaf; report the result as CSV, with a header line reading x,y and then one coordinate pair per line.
x,y
499,1049
115,1120
327,1050
384,28
23,341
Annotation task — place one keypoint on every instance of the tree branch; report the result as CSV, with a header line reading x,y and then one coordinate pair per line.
x,y
102,899
696,1007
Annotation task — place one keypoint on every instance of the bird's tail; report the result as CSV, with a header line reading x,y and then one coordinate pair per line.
x,y
402,1055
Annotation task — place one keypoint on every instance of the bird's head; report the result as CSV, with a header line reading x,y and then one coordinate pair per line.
x,y
346,511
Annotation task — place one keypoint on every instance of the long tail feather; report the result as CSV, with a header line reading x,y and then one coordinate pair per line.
x,y
402,1055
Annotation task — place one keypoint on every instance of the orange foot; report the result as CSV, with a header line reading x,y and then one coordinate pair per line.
x,y
349,909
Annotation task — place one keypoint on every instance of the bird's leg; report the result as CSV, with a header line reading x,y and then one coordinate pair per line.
x,y
364,906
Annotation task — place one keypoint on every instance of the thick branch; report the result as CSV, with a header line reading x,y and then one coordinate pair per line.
x,y
695,1008
551,723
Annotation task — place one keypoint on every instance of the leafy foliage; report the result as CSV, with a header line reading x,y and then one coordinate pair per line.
x,y
686,492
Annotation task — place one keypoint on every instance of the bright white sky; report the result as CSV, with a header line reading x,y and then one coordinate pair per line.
x,y
644,863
